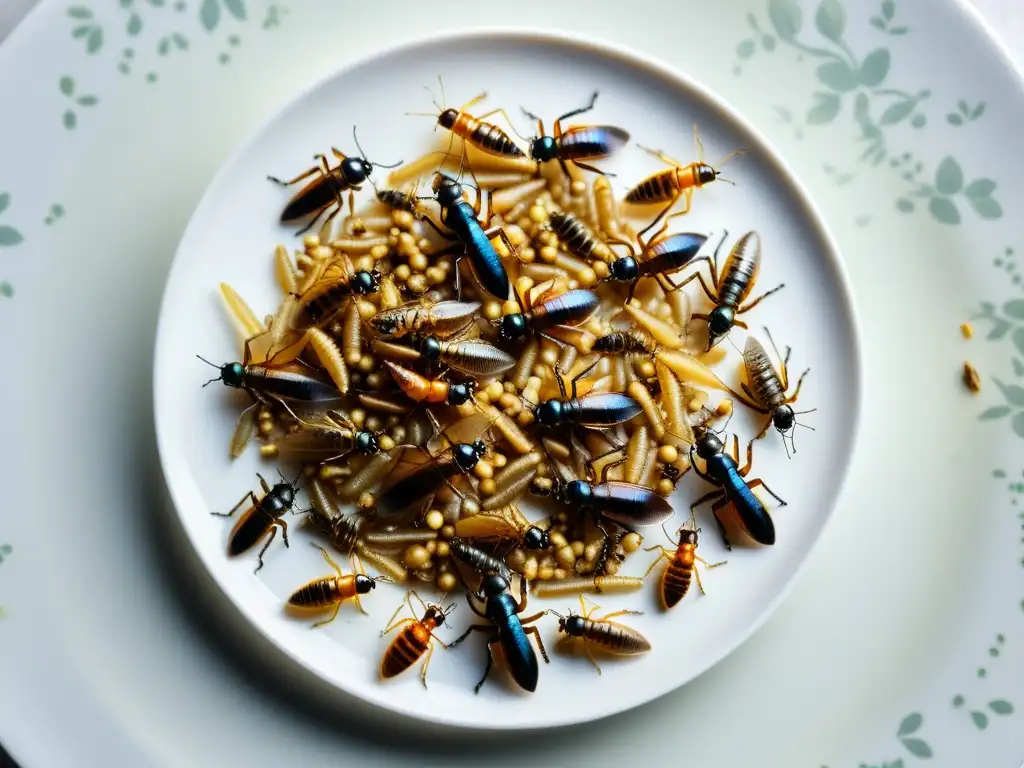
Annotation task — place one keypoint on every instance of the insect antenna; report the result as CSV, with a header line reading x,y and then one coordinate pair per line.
x,y
362,152
212,365
555,613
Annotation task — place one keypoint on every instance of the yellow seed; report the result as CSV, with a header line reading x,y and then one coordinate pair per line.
x,y
498,460
483,470
665,487
558,539
443,548
367,363
566,557
530,569
434,520
516,560
494,390
416,556
510,307
724,408
418,262
402,272
435,275
578,188
668,454
402,219
578,548
431,547
588,276
646,369
510,403
358,417
488,487
967,330
545,573
366,309
538,215
373,424
548,254
592,550
448,531
560,574
378,252
549,357
483,397
266,426
366,500
446,582
631,541
331,471
492,310
268,451
417,284
468,508
600,270
309,242
386,443
373,380
363,263
611,567
322,253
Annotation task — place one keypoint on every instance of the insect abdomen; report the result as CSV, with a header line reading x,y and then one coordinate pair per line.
x,y
591,142
658,188
490,138
764,381
318,593
675,582
578,237
405,651
251,527
615,638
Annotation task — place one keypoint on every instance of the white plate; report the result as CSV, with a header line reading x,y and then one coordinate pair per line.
x,y
232,236
900,645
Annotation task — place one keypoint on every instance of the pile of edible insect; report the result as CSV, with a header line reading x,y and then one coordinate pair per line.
x,y
492,326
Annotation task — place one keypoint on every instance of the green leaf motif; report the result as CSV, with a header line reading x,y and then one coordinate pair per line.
x,y
768,42
910,724
786,17
134,25
899,30
745,49
1018,340
236,8
978,111
838,76
825,110
980,188
1001,707
954,119
945,210
1014,308
878,22
79,12
987,207
67,85
958,701
889,9
95,40
918,748
1014,395
6,289
831,19
1018,425
980,718
1018,364
995,412
180,41
209,14
5,201
9,236
875,67
70,120
949,179
81,31
897,112
164,46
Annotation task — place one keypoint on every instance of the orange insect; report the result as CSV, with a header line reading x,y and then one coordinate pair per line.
x,y
682,566
415,640
324,592
422,389
676,182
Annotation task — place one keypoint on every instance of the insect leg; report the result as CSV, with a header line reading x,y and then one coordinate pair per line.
x,y
759,482
750,305
663,554
397,624
706,498
702,475
283,525
426,663
249,496
540,643
325,622
588,167
471,628
716,508
259,557
521,603
304,175
458,279
611,616
315,219
478,612
700,278
490,661
578,111
586,650
799,383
